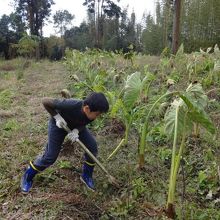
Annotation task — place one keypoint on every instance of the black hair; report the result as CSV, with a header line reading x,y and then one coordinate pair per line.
x,y
97,102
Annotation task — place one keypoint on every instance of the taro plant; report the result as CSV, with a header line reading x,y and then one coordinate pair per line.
x,y
129,105
145,127
189,108
90,71
186,109
130,54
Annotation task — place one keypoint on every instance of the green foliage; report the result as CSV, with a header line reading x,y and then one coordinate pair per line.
x,y
165,154
138,187
170,117
11,30
157,134
166,52
196,18
11,125
28,46
20,75
55,47
6,98
133,88
178,120
195,100
96,70
35,13
63,164
207,180
110,28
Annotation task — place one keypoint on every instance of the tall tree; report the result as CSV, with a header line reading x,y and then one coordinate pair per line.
x,y
35,12
5,35
11,30
17,25
176,26
101,9
79,37
200,24
62,19
167,22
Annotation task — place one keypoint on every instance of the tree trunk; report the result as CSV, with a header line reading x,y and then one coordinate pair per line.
x,y
176,26
31,16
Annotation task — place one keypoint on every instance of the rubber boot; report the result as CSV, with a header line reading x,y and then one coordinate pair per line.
x,y
27,178
86,176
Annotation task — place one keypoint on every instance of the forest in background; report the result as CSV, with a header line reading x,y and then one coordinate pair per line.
x,y
107,27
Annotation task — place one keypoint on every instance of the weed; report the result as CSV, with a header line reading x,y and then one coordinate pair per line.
x,y
20,75
63,164
6,98
11,125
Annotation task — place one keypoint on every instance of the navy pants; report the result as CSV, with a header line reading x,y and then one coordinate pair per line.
x,y
56,137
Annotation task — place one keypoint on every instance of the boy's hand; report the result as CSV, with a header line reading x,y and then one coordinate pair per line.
x,y
60,122
73,135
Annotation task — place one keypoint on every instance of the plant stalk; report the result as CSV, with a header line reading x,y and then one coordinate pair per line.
x,y
145,128
171,184
116,149
127,129
175,166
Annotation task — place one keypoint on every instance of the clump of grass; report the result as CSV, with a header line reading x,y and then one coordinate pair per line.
x,y
4,75
11,125
6,98
19,75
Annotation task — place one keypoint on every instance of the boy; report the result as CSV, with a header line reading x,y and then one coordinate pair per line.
x,y
75,114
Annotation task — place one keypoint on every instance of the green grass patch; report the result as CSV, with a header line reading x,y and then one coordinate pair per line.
x,y
6,98
11,125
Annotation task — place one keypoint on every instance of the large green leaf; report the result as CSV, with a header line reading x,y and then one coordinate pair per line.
x,y
170,117
196,101
197,114
217,66
192,107
180,51
133,87
197,95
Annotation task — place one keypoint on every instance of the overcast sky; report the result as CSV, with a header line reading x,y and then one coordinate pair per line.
x,y
75,7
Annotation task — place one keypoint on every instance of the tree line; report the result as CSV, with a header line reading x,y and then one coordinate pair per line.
x,y
194,23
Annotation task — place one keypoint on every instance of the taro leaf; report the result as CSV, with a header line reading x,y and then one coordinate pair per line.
x,y
208,49
197,114
180,51
196,100
149,77
216,50
197,95
170,117
133,89
217,66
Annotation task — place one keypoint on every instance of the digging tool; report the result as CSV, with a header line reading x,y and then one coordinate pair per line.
x,y
111,179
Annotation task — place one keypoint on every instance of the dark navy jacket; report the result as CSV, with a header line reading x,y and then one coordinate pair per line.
x,y
71,111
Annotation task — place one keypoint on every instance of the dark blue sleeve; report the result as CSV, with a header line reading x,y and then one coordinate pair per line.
x,y
64,104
